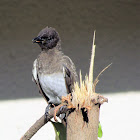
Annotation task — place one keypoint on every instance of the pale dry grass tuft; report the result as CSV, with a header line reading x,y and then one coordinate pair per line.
x,y
82,93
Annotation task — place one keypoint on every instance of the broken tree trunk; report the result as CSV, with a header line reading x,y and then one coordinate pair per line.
x,y
83,124
78,128
83,121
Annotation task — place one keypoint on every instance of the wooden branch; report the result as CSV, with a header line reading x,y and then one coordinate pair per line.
x,y
41,122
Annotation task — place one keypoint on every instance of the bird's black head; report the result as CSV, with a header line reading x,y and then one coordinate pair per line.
x,y
47,38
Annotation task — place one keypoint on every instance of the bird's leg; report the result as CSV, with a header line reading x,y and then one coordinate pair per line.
x,y
50,105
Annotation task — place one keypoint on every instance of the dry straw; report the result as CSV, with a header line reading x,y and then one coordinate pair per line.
x,y
83,93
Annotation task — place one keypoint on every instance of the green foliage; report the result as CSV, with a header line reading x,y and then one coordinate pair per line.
x,y
60,131
100,132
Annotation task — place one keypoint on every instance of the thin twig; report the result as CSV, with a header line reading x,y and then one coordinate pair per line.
x,y
97,78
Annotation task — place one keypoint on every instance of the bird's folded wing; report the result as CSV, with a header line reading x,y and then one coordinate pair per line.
x,y
69,72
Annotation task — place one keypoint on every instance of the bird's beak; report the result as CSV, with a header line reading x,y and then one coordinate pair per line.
x,y
37,40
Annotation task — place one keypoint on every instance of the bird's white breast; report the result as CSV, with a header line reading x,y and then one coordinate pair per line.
x,y
54,86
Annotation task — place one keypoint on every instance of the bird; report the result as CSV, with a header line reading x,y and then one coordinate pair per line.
x,y
53,72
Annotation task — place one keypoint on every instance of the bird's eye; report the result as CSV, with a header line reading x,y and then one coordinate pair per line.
x,y
44,38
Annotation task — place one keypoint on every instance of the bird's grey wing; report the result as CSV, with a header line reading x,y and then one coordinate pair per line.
x,y
35,79
69,72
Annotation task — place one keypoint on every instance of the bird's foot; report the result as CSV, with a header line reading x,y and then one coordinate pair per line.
x,y
56,110
48,109
63,108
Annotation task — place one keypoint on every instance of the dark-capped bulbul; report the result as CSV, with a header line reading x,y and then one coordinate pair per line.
x,y
53,72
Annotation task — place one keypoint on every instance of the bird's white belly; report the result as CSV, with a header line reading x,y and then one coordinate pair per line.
x,y
54,86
